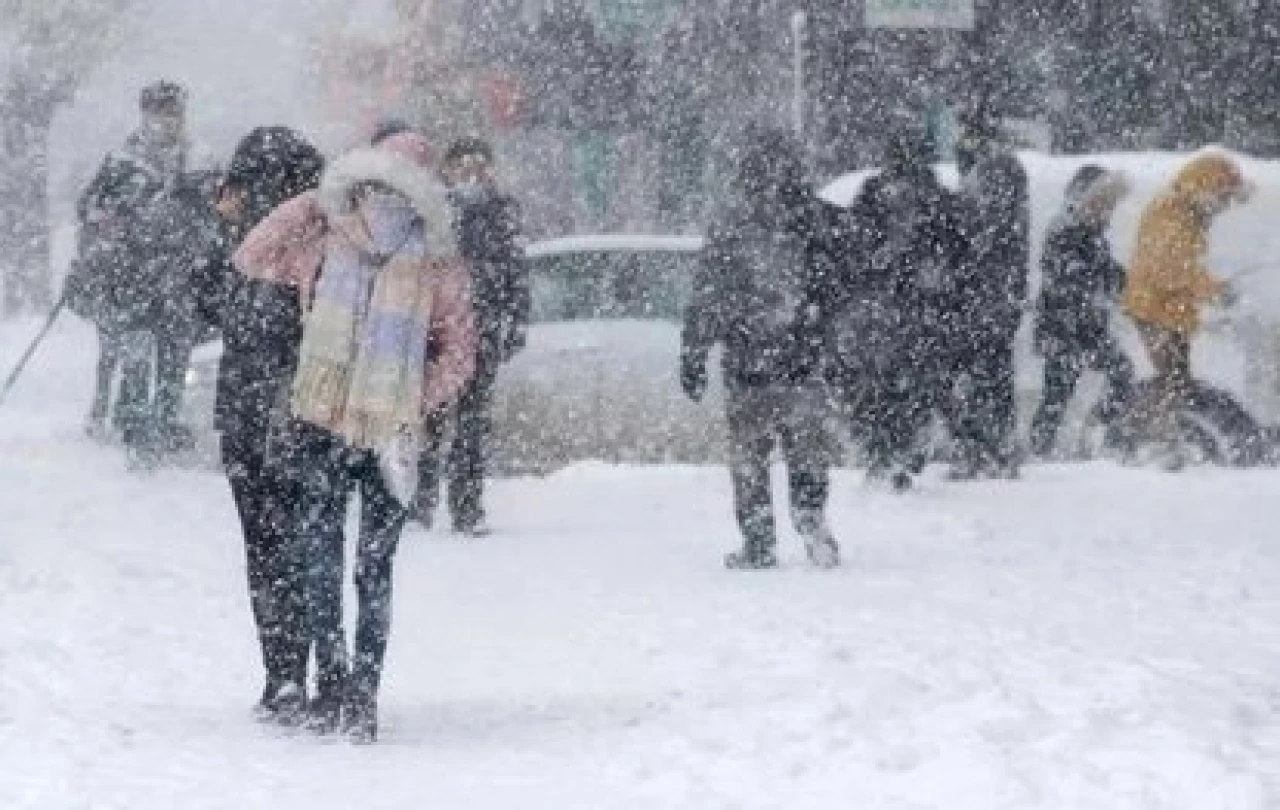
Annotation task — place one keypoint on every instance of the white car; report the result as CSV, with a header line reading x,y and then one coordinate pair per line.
x,y
599,377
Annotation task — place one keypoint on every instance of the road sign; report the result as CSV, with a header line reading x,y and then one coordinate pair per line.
x,y
920,14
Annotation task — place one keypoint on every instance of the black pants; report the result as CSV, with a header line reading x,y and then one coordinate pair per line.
x,y
761,418
1064,362
267,496
896,411
471,422
331,471
984,415
127,354
173,356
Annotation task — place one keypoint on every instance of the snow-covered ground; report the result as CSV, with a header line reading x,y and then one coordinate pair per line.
x,y
1090,637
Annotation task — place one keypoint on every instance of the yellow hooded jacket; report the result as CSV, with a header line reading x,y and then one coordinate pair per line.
x,y
1167,284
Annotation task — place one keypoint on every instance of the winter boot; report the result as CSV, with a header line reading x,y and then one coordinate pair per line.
x,y
282,703
819,543
324,712
757,553
751,559
360,717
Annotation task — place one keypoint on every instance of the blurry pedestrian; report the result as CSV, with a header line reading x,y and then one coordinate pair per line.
x,y
755,294
994,185
894,319
487,226
1168,284
115,255
1080,284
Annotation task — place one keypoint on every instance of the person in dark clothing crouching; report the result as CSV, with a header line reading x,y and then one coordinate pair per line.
x,y
487,225
261,328
1080,284
755,294
893,308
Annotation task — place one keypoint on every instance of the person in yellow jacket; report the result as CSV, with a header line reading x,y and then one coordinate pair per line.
x,y
1167,284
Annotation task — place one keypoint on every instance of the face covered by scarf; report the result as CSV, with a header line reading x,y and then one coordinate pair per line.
x,y
364,347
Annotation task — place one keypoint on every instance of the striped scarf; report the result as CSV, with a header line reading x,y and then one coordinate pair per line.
x,y
364,345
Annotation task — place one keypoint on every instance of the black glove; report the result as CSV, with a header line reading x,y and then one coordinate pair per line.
x,y
693,375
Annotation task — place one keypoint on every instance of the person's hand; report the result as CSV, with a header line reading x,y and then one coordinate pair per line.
x,y
693,375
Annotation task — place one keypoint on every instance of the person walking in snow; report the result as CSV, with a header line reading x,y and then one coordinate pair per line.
x,y
1168,284
995,186
260,323
755,294
1080,282
893,308
387,339
115,256
487,226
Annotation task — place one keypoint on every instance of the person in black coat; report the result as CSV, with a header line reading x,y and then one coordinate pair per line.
x,y
115,253
1080,284
995,186
893,308
487,223
261,328
756,293
181,235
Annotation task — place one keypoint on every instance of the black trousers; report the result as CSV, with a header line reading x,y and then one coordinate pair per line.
x,y
896,410
471,421
331,472
984,414
1064,362
267,500
126,354
761,418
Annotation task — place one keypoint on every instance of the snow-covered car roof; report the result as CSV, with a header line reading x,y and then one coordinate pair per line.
x,y
614,242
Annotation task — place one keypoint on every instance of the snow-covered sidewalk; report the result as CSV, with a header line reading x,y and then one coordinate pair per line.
x,y
1090,637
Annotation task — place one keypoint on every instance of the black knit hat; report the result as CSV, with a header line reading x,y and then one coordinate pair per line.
x,y
162,96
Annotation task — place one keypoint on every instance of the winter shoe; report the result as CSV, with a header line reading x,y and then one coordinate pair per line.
x,y
323,715
283,704
749,559
819,543
360,719
475,530
900,481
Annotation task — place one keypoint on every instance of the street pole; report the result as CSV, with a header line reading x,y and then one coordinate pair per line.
x,y
798,23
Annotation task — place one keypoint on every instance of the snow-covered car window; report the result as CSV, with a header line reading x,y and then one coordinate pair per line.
x,y
611,285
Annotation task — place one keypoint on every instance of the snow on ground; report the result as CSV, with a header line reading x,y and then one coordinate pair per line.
x,y
1090,637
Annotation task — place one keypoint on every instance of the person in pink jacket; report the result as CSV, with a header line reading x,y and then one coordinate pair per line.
x,y
388,338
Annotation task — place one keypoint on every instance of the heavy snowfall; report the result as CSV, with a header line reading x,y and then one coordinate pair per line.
x,y
639,403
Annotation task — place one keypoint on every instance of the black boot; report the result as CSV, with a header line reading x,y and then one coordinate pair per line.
x,y
757,553
360,717
324,712
282,703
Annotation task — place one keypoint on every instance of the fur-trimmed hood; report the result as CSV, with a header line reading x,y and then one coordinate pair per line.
x,y
398,172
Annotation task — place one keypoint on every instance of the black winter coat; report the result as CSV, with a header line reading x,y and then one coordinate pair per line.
x,y
996,190
758,291
488,239
897,295
260,322
110,283
1080,282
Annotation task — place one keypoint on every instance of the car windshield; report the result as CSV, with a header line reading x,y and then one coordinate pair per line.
x,y
612,285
